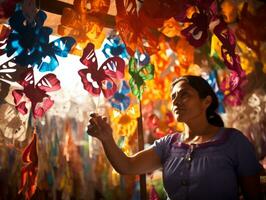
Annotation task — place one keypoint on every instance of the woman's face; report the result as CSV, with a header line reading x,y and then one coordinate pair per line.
x,y
186,103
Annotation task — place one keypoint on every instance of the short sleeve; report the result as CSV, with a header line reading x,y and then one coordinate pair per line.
x,y
162,147
247,162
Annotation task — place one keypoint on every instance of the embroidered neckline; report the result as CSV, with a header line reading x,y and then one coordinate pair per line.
x,y
219,138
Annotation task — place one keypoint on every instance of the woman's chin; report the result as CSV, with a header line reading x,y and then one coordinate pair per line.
x,y
179,118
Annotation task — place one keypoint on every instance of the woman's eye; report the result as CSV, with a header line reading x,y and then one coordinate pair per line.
x,y
184,94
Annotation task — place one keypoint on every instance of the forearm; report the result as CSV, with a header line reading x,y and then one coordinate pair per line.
x,y
118,159
140,163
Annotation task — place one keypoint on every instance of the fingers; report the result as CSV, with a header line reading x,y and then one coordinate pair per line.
x,y
104,119
96,124
97,119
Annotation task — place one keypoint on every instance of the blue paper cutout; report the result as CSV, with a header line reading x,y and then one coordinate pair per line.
x,y
60,47
211,78
30,42
120,100
114,47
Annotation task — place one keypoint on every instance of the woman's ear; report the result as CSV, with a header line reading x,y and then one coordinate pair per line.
x,y
207,101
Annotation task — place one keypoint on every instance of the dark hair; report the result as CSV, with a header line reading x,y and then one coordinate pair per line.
x,y
204,89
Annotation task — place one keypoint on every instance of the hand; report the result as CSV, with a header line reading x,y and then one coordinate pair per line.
x,y
99,128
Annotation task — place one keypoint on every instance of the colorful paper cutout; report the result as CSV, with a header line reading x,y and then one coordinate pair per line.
x,y
29,171
76,23
99,79
139,74
159,127
231,86
212,80
121,100
125,122
134,29
114,47
231,59
30,42
171,28
229,10
35,93
197,32
153,194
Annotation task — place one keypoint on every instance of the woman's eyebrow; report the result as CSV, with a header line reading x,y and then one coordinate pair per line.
x,y
179,92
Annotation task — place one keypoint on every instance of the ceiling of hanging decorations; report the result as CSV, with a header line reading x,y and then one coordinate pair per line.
x,y
67,58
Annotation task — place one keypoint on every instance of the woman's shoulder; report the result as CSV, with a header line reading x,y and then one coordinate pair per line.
x,y
231,129
169,139
236,135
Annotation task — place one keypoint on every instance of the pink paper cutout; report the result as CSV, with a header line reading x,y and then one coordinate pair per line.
x,y
36,94
100,80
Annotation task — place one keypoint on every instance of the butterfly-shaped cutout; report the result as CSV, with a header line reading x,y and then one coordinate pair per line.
x,y
114,47
35,93
120,100
59,47
197,32
139,74
29,171
9,72
30,42
13,126
100,79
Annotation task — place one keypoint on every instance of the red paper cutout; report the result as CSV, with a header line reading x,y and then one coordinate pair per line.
x,y
232,86
197,32
161,127
29,171
40,101
96,80
153,194
231,59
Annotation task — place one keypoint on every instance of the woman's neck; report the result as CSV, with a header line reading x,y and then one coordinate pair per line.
x,y
200,132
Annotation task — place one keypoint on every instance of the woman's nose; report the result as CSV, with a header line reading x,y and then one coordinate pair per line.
x,y
176,101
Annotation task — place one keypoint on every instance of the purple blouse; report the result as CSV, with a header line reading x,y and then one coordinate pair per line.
x,y
208,170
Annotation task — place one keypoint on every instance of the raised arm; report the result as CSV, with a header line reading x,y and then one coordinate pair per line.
x,y
140,163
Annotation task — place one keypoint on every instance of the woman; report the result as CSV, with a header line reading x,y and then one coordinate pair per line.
x,y
207,162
